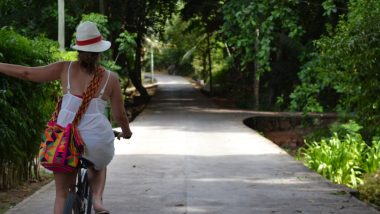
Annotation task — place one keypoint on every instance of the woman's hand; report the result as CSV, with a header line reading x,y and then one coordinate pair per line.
x,y
126,135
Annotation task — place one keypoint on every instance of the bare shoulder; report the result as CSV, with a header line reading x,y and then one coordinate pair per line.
x,y
114,75
60,66
63,66
114,78
114,84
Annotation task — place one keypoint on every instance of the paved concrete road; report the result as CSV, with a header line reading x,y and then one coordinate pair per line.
x,y
188,156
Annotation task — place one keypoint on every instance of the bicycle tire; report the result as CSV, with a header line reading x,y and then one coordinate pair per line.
x,y
89,202
71,204
86,194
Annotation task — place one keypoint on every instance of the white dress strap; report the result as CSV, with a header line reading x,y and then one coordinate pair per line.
x,y
104,87
68,78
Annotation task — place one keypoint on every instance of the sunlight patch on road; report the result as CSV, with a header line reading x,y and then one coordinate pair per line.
x,y
173,83
177,141
290,180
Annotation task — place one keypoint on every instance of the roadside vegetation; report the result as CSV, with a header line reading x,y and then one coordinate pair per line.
x,y
317,56
308,56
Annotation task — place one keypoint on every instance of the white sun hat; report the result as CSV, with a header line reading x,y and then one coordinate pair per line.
x,y
89,39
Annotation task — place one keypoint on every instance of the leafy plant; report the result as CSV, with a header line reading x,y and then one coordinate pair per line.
x,y
344,157
373,156
351,127
337,160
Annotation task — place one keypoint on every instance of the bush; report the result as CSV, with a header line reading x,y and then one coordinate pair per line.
x,y
344,157
336,160
25,107
370,190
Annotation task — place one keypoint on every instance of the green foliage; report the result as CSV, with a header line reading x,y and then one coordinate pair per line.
x,y
370,190
25,106
251,27
304,98
219,64
23,16
68,55
347,62
181,47
127,43
344,157
338,161
373,156
111,65
350,128
329,7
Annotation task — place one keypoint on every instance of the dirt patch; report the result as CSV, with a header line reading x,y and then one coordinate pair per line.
x,y
286,130
14,196
289,140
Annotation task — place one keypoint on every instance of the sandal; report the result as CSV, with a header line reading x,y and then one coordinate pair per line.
x,y
102,212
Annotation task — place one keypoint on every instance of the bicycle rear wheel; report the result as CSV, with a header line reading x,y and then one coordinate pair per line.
x,y
72,204
87,194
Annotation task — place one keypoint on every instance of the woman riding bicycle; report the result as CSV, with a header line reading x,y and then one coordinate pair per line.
x,y
94,127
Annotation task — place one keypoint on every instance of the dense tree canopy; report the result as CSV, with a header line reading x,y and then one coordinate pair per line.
x,y
345,66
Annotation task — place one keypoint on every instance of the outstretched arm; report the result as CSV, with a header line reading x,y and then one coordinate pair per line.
x,y
36,74
117,107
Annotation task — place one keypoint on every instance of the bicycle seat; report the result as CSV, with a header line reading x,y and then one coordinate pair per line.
x,y
85,163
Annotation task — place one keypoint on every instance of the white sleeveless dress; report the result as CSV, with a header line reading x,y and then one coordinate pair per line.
x,y
94,127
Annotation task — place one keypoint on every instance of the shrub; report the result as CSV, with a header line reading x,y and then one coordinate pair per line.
x,y
344,157
346,64
370,190
338,161
24,106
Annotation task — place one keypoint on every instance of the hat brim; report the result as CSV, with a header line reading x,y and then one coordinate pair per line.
x,y
96,48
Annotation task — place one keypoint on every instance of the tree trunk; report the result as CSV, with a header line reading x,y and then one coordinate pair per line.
x,y
256,88
209,61
135,74
256,76
204,65
101,6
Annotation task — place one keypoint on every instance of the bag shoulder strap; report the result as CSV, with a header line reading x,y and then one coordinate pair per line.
x,y
54,117
92,88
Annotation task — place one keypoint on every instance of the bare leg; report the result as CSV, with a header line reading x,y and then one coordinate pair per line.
x,y
63,181
98,182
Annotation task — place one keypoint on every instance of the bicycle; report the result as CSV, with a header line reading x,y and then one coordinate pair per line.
x,y
79,199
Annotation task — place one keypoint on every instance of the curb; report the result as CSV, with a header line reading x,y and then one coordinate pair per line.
x,y
21,204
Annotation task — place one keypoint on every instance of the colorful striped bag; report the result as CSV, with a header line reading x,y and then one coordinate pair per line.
x,y
61,147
